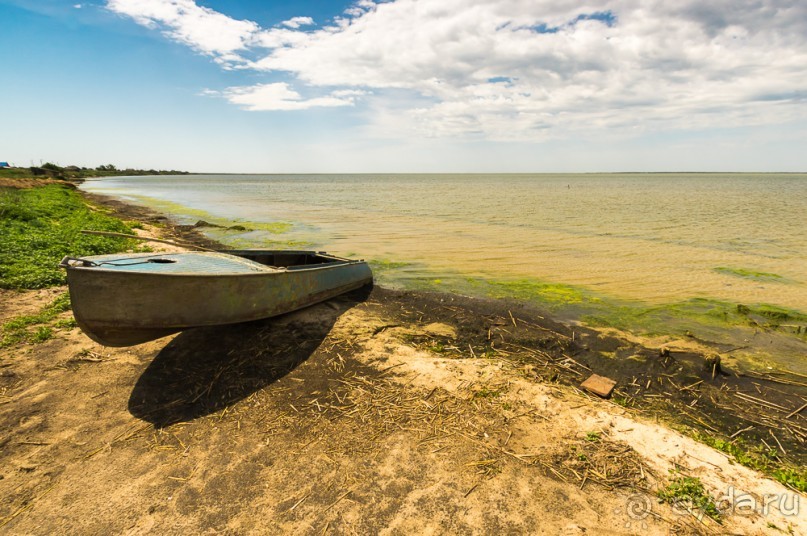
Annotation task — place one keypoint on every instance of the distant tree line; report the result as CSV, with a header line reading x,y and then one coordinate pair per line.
x,y
50,170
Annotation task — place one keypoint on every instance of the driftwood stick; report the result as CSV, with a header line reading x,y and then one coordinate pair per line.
x,y
761,402
794,412
146,239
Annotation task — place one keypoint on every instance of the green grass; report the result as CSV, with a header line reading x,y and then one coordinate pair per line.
x,y
486,392
17,173
38,226
41,334
689,492
34,328
758,458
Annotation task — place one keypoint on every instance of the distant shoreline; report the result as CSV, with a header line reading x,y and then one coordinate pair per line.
x,y
77,174
448,173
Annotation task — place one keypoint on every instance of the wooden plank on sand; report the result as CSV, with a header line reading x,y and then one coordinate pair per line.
x,y
599,385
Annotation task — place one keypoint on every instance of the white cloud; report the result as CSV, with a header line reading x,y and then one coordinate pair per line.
x,y
520,69
280,97
296,22
202,28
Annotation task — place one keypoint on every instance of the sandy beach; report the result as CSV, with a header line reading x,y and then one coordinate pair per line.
x,y
381,411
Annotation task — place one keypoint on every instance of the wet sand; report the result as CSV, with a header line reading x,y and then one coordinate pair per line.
x,y
378,412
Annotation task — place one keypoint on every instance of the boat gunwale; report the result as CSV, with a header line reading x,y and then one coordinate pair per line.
x,y
268,270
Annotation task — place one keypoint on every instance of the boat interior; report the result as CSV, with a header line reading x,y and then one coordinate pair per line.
x,y
287,259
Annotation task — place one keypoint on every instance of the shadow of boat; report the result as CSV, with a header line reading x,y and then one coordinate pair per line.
x,y
205,370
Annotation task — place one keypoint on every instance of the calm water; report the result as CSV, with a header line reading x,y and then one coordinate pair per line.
x,y
657,238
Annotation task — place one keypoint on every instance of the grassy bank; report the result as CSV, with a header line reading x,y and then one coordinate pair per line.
x,y
39,226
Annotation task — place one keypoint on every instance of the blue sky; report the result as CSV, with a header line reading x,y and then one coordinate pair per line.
x,y
406,85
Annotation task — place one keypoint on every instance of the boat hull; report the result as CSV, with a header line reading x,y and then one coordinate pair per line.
x,y
117,308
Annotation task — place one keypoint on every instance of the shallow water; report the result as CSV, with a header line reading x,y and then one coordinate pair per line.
x,y
657,238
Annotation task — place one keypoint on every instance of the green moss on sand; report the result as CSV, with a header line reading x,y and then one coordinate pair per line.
x,y
34,328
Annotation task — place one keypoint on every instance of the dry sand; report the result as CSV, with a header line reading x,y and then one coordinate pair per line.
x,y
371,413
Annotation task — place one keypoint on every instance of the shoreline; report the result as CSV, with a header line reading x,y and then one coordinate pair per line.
x,y
128,211
755,331
629,358
371,386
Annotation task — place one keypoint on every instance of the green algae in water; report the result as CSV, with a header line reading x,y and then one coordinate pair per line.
x,y
190,215
778,314
550,295
278,227
236,234
251,241
715,322
706,316
177,210
384,265
696,312
406,275
387,272
750,274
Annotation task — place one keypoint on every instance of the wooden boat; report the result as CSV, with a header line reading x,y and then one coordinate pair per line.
x,y
127,299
